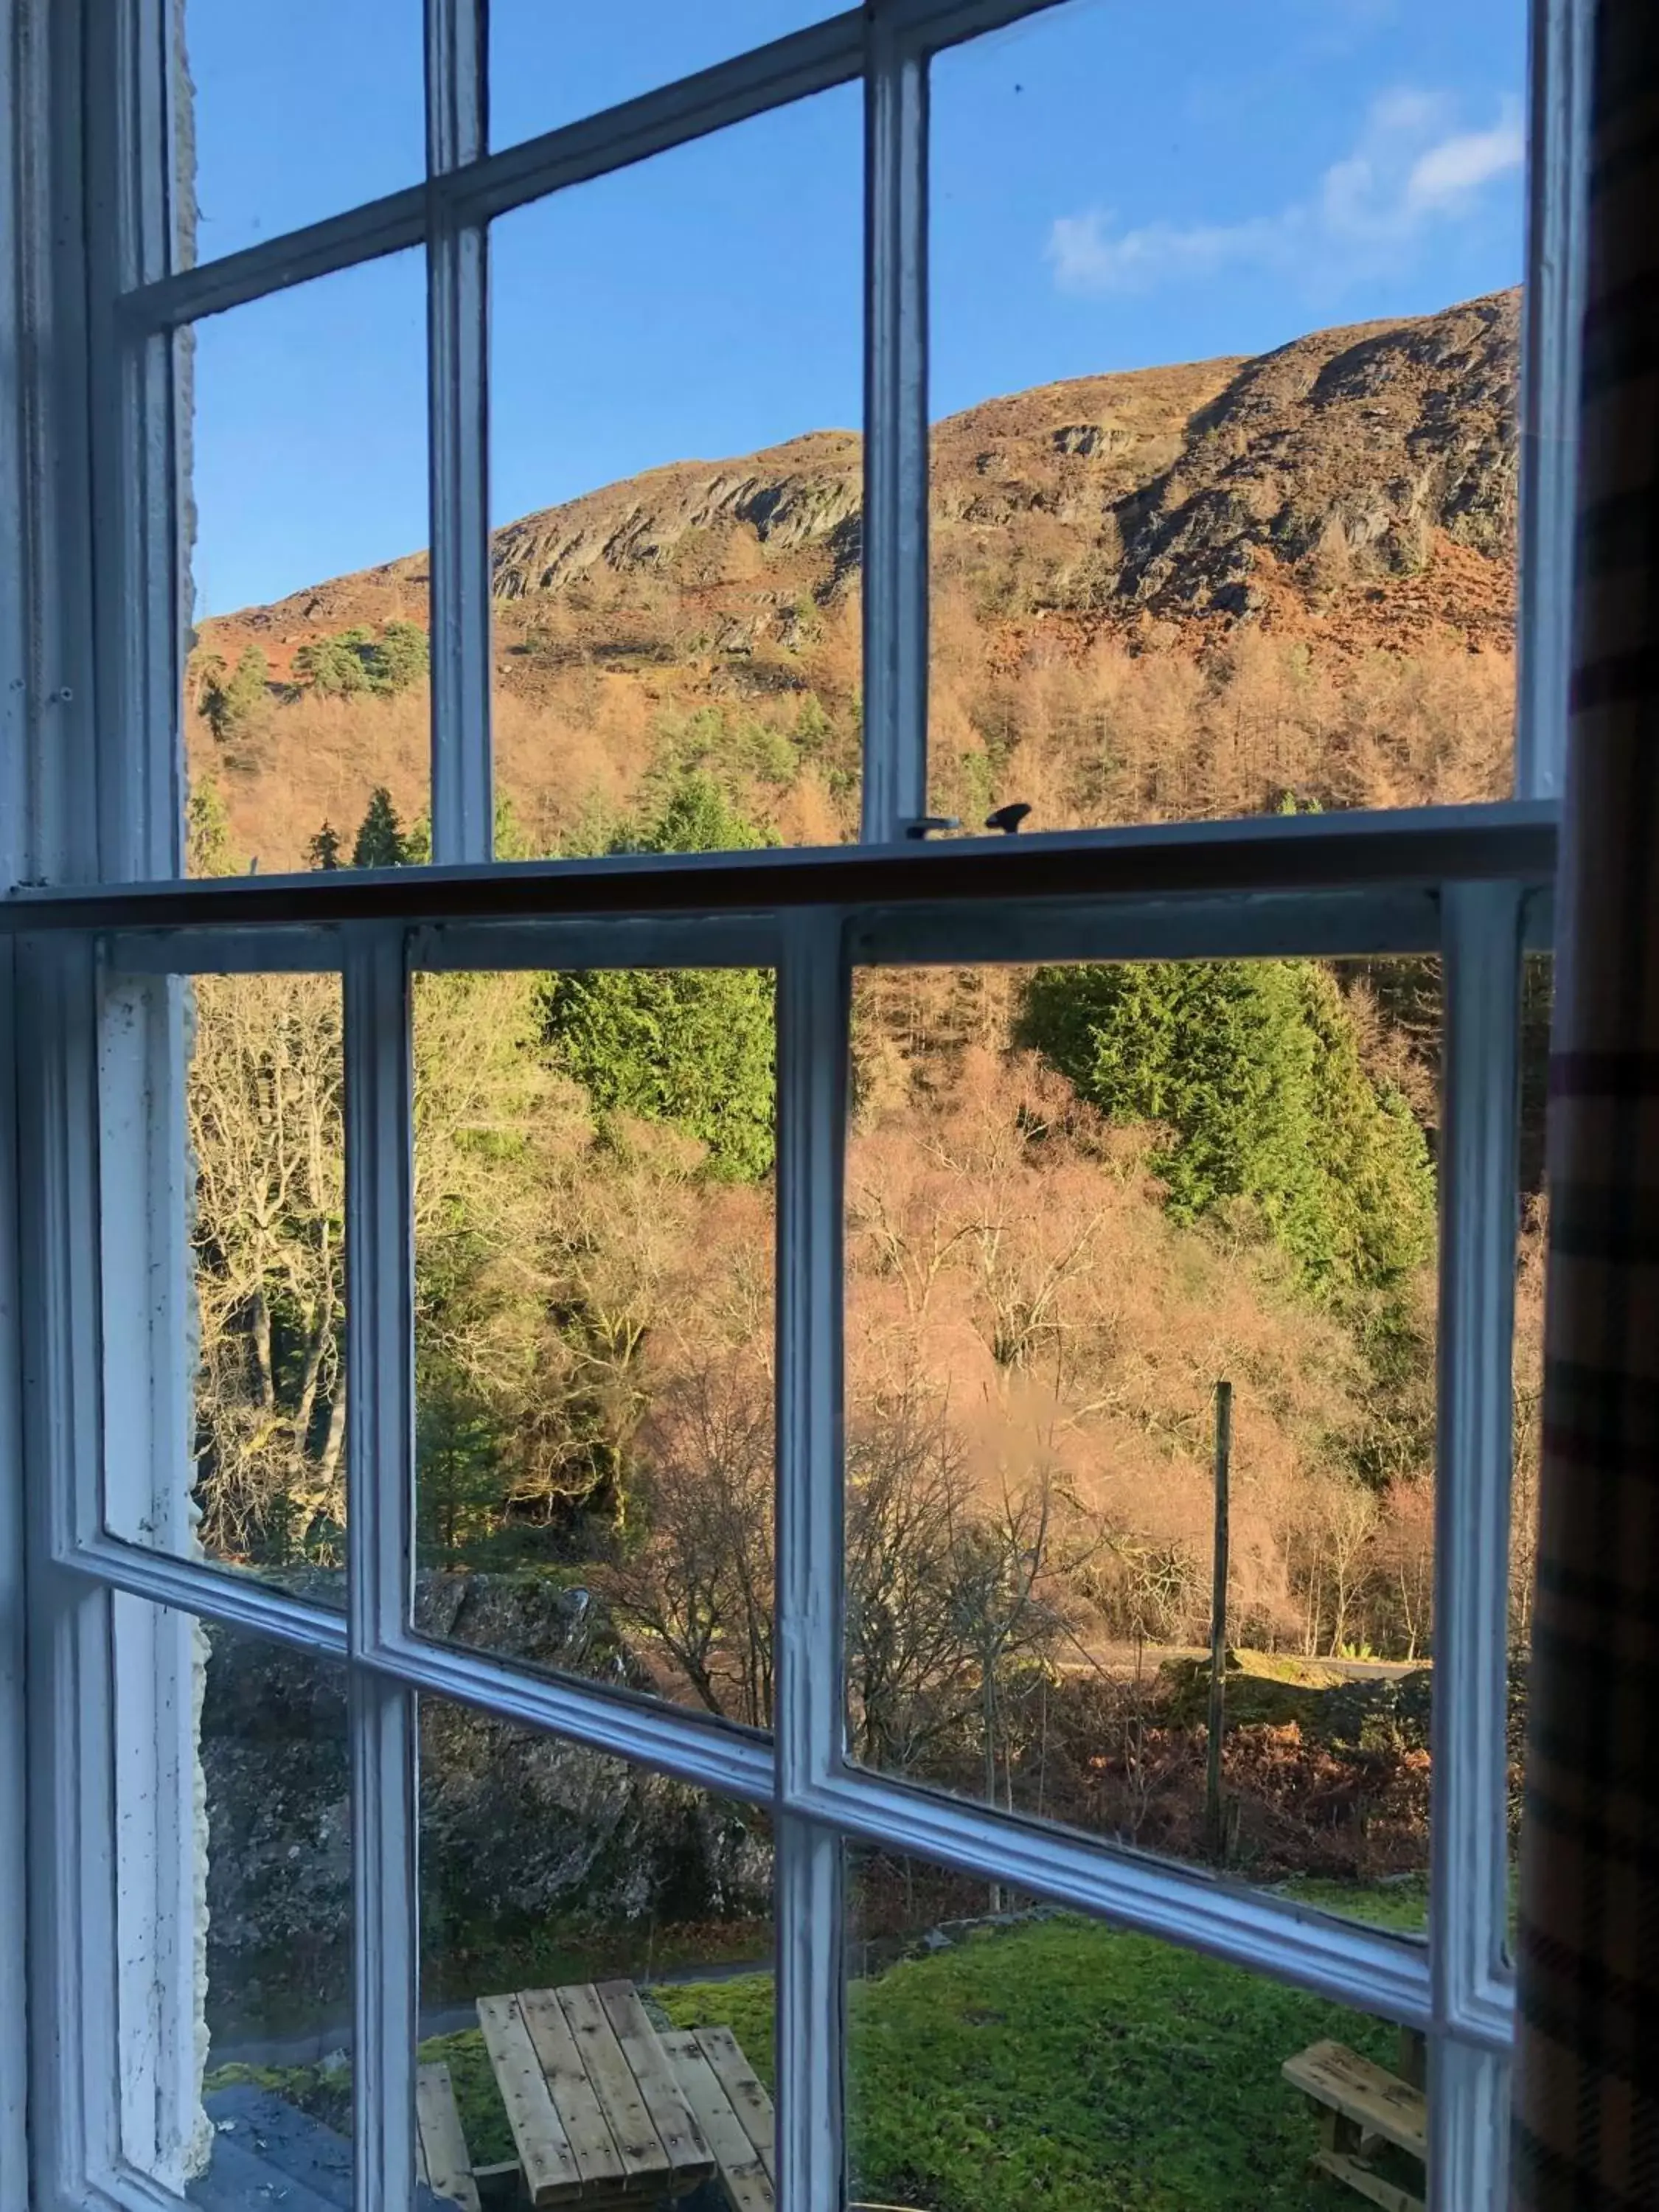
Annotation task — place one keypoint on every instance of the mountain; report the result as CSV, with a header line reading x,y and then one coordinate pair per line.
x,y
1160,591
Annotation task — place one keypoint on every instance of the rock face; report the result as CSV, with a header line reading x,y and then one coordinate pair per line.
x,y
514,1827
806,493
1218,492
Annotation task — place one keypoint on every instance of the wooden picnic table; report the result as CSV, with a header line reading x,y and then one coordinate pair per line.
x,y
1362,2107
605,2111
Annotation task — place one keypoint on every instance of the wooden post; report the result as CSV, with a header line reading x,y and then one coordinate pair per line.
x,y
1214,1811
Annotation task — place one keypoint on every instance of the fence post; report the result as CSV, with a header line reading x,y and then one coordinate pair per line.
x,y
1214,1810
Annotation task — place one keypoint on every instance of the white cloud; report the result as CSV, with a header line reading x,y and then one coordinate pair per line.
x,y
1409,169
1448,173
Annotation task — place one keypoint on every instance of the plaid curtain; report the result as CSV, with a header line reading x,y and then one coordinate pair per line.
x,y
1586,2130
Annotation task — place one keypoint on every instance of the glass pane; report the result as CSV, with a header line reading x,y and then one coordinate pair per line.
x,y
1537,1001
575,1910
305,709
552,65
1224,471
1002,2054
1085,1205
676,646
295,112
594,1206
253,1474
233,1781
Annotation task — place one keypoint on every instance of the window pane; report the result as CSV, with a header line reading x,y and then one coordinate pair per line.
x,y
1537,1001
1080,1200
1001,2053
296,111
573,1908
305,714
552,65
249,1471
1226,463
593,1159
677,648
235,1906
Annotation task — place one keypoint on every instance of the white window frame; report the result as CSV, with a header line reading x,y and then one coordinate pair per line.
x,y
91,780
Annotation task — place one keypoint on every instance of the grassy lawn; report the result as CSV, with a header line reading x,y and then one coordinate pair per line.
x,y
1057,2065
1065,2066
1402,1904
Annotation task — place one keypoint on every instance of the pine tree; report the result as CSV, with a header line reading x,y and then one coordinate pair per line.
x,y
401,660
693,815
380,843
208,848
459,1481
323,850
692,1046
204,670
235,705
1253,1069
333,666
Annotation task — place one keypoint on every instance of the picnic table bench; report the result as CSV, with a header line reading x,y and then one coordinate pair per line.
x,y
1361,2106
605,2111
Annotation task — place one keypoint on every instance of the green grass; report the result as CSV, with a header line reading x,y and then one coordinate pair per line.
x,y
1058,2065
1399,1905
1066,2066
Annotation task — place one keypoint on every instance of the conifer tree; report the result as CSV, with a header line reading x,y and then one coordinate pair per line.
x,y
1253,1069
381,842
235,704
692,1046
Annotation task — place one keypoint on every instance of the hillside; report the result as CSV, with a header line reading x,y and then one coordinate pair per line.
x,y
1177,589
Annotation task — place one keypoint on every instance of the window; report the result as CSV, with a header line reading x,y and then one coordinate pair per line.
x,y
118,945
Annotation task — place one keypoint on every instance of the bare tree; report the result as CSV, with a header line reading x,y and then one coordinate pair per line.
x,y
698,1583
265,1125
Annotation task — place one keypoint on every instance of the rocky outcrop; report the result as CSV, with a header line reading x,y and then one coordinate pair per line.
x,y
798,495
1216,492
1347,451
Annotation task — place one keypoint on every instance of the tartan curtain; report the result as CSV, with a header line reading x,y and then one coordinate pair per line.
x,y
1586,2124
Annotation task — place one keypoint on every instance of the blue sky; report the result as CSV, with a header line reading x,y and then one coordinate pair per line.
x,y
1118,183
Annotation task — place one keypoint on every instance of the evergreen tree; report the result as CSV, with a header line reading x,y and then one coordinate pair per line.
x,y
352,660
693,1046
401,660
236,704
1253,1069
380,843
203,669
323,850
459,1481
333,666
208,848
693,816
